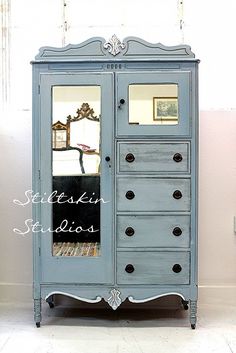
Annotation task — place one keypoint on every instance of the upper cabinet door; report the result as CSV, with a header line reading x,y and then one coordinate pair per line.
x,y
76,165
154,103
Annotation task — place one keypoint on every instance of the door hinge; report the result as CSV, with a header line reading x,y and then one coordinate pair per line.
x,y
39,174
38,89
39,251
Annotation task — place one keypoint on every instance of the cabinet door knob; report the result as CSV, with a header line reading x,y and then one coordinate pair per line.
x,y
177,194
177,157
176,268
107,158
129,231
177,231
129,268
130,157
122,101
130,195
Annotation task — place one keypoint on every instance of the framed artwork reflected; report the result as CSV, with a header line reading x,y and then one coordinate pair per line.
x,y
165,109
59,135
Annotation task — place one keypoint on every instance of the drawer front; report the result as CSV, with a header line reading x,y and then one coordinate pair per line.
x,y
153,231
153,194
153,157
153,267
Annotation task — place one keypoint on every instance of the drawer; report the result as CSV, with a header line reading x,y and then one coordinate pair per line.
x,y
152,194
153,267
153,157
153,231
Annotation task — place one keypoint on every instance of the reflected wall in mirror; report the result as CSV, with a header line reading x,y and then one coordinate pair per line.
x,y
76,151
77,108
153,104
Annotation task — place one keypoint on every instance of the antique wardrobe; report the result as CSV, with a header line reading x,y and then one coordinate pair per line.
x,y
115,130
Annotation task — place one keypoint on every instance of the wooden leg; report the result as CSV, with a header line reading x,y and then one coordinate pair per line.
x,y
193,313
37,312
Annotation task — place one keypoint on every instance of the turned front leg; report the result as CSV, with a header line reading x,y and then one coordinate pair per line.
x,y
37,312
193,313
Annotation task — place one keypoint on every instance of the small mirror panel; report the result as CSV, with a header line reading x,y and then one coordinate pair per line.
x,y
154,104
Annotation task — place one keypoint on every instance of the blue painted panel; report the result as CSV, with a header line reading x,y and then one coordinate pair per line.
x,y
153,267
153,231
153,157
152,194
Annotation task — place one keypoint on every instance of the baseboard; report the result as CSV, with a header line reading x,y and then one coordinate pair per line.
x,y
15,292
217,294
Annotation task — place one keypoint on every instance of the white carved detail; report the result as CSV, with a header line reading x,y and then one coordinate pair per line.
x,y
144,300
114,300
114,45
96,300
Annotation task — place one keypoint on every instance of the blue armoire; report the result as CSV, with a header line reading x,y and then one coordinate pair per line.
x,y
115,154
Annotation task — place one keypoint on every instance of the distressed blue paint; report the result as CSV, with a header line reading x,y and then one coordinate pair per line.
x,y
91,279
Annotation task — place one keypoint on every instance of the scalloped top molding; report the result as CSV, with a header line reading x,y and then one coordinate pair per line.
x,y
131,48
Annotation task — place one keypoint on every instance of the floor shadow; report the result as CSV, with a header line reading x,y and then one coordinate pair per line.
x,y
103,315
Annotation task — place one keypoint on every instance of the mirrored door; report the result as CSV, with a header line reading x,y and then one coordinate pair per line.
x,y
76,172
77,168
153,103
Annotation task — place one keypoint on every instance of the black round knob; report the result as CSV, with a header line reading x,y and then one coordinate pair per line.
x,y
122,101
176,268
129,268
130,157
130,195
177,194
177,157
177,231
129,231
107,158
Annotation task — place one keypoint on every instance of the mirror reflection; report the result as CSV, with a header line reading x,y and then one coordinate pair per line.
x,y
76,170
154,104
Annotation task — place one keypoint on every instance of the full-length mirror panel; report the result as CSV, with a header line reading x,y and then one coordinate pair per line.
x,y
76,113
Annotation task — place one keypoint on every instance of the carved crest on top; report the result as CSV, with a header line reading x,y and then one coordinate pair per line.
x,y
114,45
83,112
130,48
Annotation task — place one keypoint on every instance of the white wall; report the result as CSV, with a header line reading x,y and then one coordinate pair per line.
x,y
209,29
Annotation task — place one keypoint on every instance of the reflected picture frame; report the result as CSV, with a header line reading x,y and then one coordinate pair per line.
x,y
60,135
165,109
